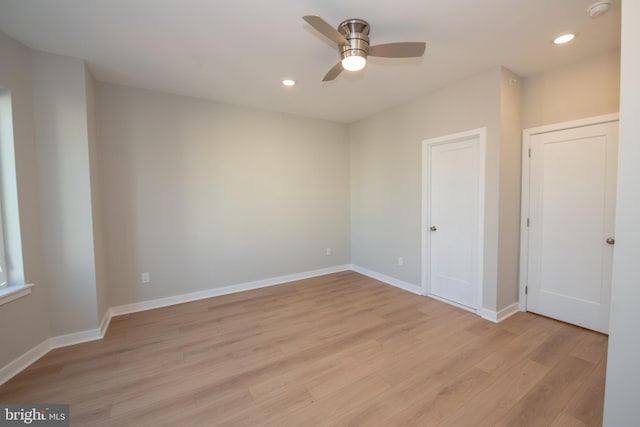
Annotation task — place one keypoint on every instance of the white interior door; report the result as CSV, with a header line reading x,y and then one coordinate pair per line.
x,y
454,222
571,224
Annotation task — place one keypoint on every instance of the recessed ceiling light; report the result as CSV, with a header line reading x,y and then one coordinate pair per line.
x,y
288,82
564,38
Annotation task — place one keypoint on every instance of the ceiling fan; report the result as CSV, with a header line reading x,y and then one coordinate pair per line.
x,y
352,37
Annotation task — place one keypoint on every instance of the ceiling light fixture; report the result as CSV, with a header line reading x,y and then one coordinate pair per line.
x,y
288,82
352,37
599,8
564,38
354,63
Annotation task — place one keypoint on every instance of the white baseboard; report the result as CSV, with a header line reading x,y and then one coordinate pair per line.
x,y
455,304
388,280
490,315
193,296
22,362
499,316
106,320
75,338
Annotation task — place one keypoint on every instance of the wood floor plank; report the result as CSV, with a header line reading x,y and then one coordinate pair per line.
x,y
528,341
588,404
565,420
329,408
549,397
378,410
448,400
336,350
492,404
593,348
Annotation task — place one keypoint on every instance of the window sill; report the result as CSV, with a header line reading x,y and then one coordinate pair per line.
x,y
11,293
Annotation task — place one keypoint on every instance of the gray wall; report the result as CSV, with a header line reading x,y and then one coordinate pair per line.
x,y
386,176
203,195
24,321
587,88
509,187
96,200
623,374
60,110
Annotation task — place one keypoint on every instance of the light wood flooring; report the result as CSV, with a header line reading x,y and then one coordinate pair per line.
x,y
336,350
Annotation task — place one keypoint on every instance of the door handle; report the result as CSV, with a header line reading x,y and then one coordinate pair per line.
x,y
433,228
611,240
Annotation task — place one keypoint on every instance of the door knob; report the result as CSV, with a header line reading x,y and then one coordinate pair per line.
x,y
433,228
611,240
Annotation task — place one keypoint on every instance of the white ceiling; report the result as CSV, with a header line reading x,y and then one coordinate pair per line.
x,y
239,51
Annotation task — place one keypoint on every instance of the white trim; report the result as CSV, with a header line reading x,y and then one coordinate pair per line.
x,y
455,304
193,296
106,320
481,134
22,362
499,316
523,271
75,338
486,314
606,118
83,336
527,135
388,279
13,292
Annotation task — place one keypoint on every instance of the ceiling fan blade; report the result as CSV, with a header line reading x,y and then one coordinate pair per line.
x,y
324,28
333,72
398,50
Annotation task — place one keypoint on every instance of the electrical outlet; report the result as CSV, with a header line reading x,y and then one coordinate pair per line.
x,y
328,251
400,261
145,278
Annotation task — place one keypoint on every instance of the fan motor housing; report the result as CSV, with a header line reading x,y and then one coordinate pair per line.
x,y
356,31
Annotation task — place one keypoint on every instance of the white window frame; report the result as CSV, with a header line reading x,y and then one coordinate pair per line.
x,y
12,280
4,280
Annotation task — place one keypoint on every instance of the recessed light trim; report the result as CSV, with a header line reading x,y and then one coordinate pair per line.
x,y
564,38
288,82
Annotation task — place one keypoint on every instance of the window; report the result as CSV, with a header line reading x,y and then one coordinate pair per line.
x,y
12,282
3,264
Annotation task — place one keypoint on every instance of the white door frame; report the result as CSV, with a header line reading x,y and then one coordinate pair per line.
x,y
481,134
527,135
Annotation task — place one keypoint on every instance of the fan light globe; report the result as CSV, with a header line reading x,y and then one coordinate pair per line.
x,y
354,63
